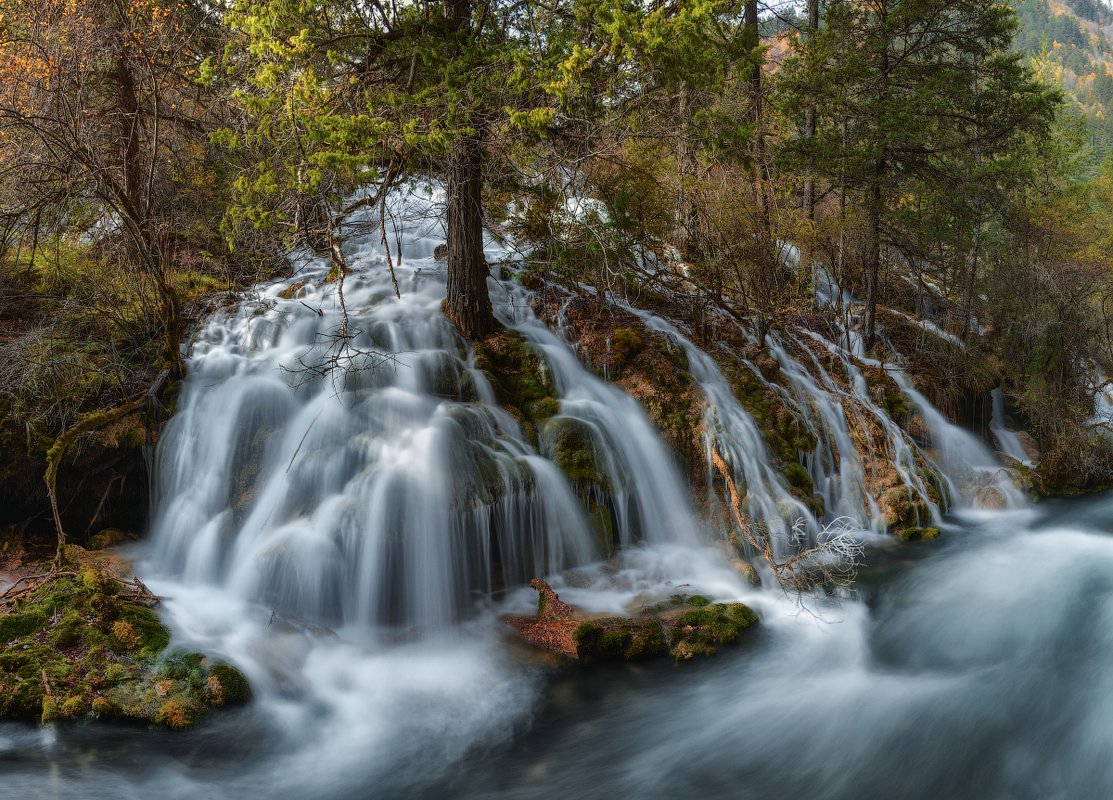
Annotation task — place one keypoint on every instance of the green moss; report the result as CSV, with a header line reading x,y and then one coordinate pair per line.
x,y
518,377
293,290
74,706
625,345
49,709
106,538
116,673
919,534
152,637
698,601
67,632
14,626
544,408
620,640
334,273
59,660
702,631
798,478
602,523
182,665
571,446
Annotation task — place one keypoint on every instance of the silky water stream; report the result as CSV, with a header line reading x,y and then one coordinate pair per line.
x,y
350,538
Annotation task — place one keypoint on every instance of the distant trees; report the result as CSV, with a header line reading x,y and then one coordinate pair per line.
x,y
921,106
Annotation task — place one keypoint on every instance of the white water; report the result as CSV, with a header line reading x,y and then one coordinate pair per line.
x,y
345,538
392,506
1007,439
974,475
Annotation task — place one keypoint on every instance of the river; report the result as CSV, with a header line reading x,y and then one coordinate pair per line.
x,y
980,666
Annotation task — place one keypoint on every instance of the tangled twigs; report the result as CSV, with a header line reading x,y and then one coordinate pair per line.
x,y
140,592
10,596
134,589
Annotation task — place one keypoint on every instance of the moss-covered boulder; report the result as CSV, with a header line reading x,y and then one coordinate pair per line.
x,y
81,642
571,445
683,627
517,375
915,534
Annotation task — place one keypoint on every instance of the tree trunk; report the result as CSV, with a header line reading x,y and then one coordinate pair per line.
x,y
810,117
877,194
127,106
751,22
468,303
687,205
873,255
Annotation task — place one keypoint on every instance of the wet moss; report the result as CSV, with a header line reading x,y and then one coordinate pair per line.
x,y
919,534
570,444
227,685
294,289
620,640
702,631
79,645
798,478
517,375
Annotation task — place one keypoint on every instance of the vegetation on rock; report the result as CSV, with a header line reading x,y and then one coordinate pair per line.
x,y
683,627
79,641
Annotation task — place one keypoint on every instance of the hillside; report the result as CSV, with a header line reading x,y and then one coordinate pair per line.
x,y
1071,43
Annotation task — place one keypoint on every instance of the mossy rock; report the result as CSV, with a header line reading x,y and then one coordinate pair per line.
x,y
108,537
626,343
295,289
518,377
334,273
14,626
570,443
684,626
227,685
798,478
78,645
618,639
702,631
919,534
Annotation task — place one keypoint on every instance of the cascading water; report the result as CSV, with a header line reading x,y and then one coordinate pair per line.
x,y
973,473
393,494
303,510
1007,439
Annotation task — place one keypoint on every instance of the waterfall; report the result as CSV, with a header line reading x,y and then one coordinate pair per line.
x,y
973,473
384,485
396,490
1007,439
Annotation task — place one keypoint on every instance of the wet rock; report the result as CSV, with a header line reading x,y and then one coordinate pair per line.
x,y
82,642
919,534
683,627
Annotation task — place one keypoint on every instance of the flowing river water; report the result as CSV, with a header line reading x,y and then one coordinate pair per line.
x,y
351,538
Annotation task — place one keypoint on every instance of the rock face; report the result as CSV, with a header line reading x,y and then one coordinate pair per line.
x,y
81,642
683,627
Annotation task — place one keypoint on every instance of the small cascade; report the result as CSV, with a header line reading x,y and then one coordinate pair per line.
x,y
973,474
644,490
837,465
730,430
1007,439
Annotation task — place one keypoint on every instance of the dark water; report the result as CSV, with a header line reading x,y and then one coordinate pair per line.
x,y
980,666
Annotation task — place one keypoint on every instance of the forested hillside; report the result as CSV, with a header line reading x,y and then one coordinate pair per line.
x,y
1071,43
159,153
